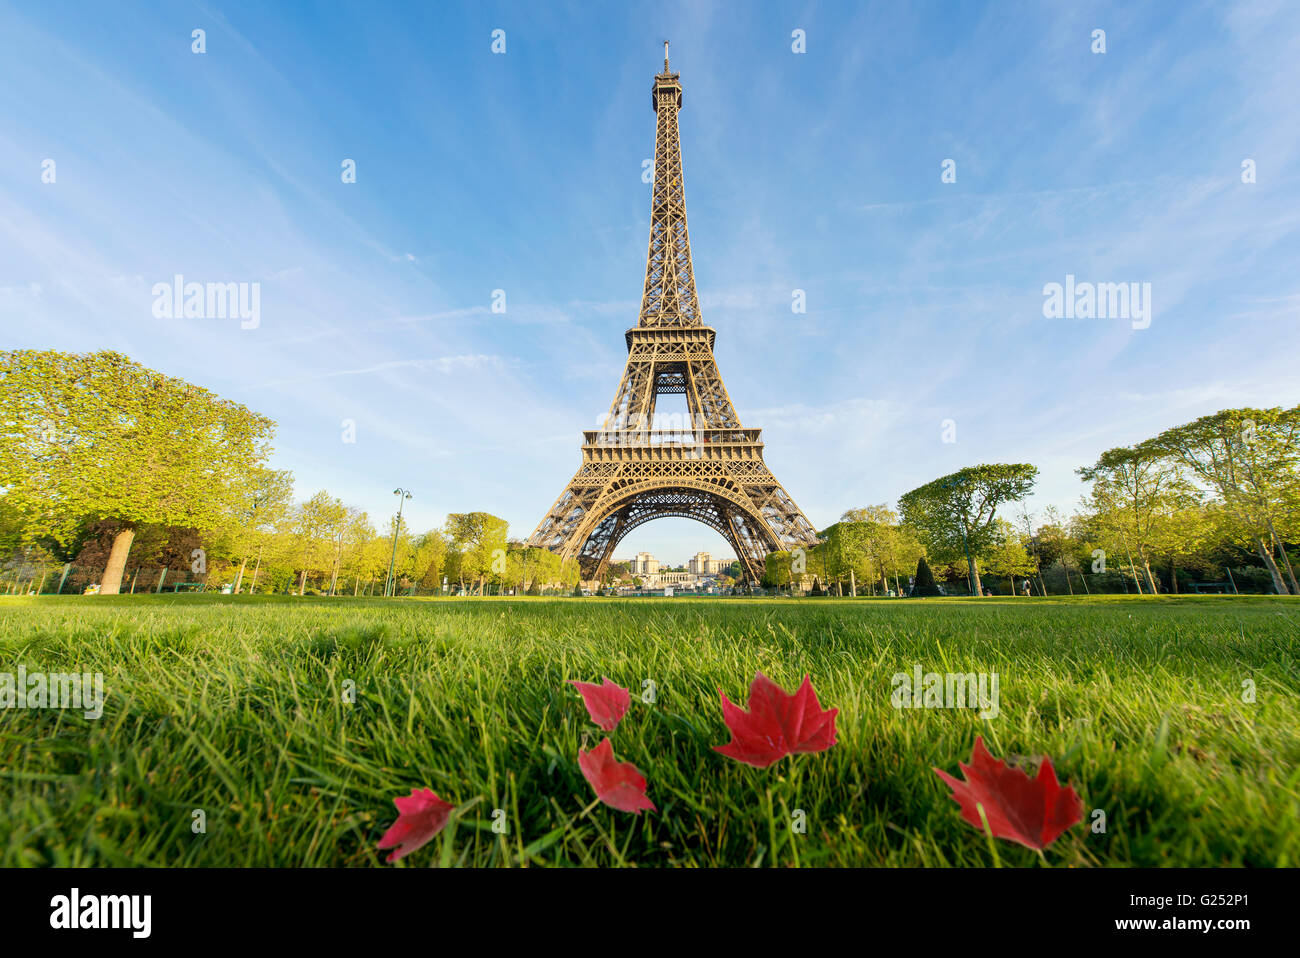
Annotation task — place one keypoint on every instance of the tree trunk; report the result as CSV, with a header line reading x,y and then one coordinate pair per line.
x,y
1142,554
302,582
973,573
111,583
1132,567
1286,559
239,577
1264,554
1137,582
338,564
1173,577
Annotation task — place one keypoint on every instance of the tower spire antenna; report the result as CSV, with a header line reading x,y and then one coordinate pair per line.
x,y
665,56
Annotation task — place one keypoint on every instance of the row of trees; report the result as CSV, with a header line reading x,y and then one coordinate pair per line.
x,y
1230,479
868,551
1202,499
119,466
106,463
325,546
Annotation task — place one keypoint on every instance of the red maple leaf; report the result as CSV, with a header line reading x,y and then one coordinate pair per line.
x,y
421,815
1030,811
606,703
777,723
618,784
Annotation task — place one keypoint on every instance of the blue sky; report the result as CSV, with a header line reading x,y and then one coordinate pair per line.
x,y
521,171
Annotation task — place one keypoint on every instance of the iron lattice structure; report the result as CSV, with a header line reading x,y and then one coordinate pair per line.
x,y
710,468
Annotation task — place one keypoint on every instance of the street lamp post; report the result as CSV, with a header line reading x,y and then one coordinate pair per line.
x,y
402,496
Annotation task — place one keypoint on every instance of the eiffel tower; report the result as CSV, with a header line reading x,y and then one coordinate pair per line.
x,y
710,468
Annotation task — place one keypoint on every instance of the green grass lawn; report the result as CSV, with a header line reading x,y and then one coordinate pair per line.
x,y
235,706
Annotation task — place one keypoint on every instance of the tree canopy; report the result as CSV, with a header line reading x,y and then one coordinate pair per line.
x,y
1249,458
94,436
955,513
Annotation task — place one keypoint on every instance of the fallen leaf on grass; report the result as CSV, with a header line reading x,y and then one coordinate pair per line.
x,y
618,784
606,703
421,815
1030,811
777,723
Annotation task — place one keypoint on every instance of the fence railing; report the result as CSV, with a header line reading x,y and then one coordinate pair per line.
x,y
79,580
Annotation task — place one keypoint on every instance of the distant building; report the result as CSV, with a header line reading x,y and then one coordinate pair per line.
x,y
655,575
676,578
647,568
704,564
644,564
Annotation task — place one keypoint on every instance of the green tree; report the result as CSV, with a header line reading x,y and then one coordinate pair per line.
x,y
541,568
1006,556
430,559
924,584
316,525
352,538
1136,491
886,547
86,437
569,573
1057,548
777,570
850,552
261,500
955,513
1248,458
362,556
480,538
